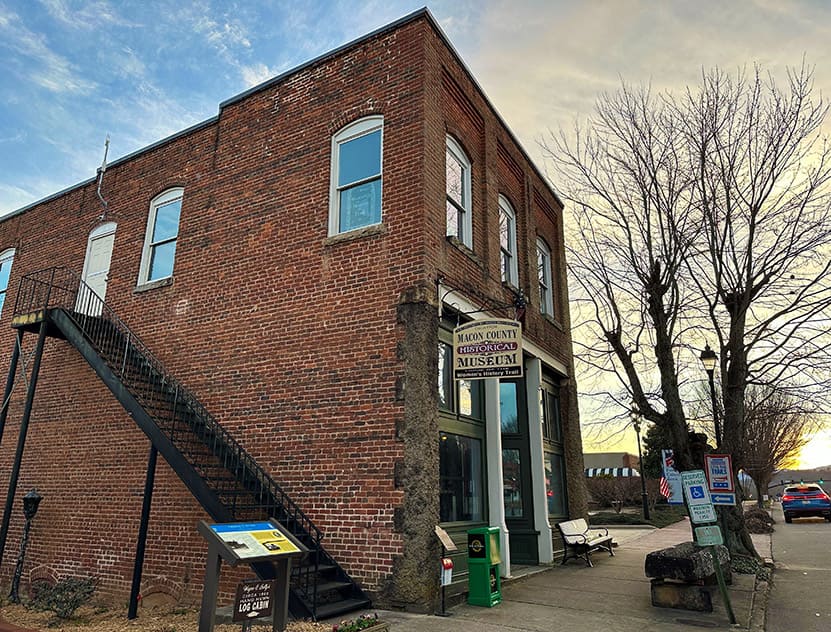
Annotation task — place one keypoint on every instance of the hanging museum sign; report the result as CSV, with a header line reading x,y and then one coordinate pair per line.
x,y
487,348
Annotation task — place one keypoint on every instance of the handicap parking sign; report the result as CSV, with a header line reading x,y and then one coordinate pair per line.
x,y
696,491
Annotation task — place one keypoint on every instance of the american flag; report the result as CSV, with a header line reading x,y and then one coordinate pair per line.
x,y
664,487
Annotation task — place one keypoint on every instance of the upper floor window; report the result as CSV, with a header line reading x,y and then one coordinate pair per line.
x,y
545,279
6,259
162,233
457,168
355,199
507,242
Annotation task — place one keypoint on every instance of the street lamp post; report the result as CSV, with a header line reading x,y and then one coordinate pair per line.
x,y
635,416
30,508
709,360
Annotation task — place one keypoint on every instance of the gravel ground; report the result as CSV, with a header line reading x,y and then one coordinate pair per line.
x,y
89,619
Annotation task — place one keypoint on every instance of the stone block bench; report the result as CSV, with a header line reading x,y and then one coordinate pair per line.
x,y
580,541
679,574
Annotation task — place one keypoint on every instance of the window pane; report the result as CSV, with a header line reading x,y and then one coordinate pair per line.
x,y
470,398
167,221
360,206
504,230
445,377
511,483
455,179
555,485
161,260
5,271
2,300
555,432
453,220
506,265
460,476
359,158
508,408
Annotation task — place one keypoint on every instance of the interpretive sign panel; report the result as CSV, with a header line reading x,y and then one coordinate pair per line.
x,y
487,348
698,496
251,541
255,598
445,539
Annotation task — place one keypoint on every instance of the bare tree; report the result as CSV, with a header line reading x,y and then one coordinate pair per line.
x,y
776,428
702,216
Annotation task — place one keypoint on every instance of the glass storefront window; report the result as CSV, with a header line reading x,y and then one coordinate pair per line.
x,y
460,472
512,483
554,484
509,407
464,397
445,376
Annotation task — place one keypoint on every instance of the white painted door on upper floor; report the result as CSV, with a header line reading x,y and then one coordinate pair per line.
x,y
93,290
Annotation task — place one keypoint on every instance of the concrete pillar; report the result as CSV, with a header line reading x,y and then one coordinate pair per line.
x,y
533,381
496,502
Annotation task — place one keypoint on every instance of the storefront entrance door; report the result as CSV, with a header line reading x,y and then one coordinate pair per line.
x,y
516,473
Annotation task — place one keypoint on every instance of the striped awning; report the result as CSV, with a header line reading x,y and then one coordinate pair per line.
x,y
612,471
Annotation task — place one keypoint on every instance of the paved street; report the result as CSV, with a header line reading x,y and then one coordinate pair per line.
x,y
802,581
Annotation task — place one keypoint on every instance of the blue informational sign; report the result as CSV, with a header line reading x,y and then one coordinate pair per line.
x,y
722,498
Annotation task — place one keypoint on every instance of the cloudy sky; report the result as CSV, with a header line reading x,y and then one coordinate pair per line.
x,y
73,71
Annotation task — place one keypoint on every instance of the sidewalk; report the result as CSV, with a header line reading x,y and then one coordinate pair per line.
x,y
613,596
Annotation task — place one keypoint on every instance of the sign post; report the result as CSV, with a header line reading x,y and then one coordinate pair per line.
x,y
447,545
702,510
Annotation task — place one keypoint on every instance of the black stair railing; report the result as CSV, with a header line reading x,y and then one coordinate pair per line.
x,y
243,486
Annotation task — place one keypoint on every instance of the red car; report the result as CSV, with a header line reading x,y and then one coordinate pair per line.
x,y
805,499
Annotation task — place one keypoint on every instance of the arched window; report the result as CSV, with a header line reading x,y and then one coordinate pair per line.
x,y
457,169
162,232
6,259
507,242
545,278
355,198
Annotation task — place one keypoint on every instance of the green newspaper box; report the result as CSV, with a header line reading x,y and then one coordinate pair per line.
x,y
484,584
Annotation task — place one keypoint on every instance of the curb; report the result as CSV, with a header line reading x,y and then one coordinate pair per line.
x,y
759,606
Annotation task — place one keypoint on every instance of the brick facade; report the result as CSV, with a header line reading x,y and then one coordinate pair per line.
x,y
317,353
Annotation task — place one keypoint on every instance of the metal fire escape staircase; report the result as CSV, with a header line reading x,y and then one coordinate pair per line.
x,y
229,484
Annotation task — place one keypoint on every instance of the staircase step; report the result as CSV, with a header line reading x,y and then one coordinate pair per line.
x,y
327,586
337,608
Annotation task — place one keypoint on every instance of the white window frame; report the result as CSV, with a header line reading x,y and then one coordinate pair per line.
x,y
6,255
511,274
545,280
465,209
166,197
354,130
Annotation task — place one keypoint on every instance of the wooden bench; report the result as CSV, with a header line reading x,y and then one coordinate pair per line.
x,y
580,541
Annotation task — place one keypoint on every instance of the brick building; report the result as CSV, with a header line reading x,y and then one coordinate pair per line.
x,y
273,279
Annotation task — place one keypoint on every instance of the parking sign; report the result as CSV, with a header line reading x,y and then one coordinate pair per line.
x,y
698,496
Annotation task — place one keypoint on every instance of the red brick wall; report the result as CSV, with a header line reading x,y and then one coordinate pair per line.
x,y
287,336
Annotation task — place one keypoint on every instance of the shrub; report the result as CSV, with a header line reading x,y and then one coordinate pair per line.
x,y
355,625
65,597
757,520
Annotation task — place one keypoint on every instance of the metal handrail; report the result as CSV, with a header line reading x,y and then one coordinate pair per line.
x,y
62,288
